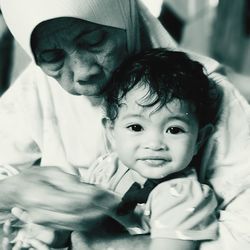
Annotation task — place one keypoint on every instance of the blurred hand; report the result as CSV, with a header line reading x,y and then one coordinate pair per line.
x,y
33,244
26,236
51,197
121,241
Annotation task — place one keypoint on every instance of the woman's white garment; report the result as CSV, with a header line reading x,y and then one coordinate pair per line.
x,y
226,166
39,120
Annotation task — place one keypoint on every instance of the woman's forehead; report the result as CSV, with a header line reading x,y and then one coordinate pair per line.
x,y
66,30
63,25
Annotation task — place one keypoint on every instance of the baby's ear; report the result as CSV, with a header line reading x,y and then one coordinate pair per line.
x,y
109,129
203,135
107,123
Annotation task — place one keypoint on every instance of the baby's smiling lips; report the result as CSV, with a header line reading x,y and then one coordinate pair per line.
x,y
154,161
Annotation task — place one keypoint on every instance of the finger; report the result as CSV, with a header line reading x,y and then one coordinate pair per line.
x,y
64,221
21,214
6,244
59,201
9,232
7,228
36,244
43,234
85,196
74,197
49,198
18,245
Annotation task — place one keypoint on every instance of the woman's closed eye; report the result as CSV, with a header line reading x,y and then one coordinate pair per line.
x,y
51,56
93,39
135,127
175,130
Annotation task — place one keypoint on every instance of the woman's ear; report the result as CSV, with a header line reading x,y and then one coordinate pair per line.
x,y
109,129
203,135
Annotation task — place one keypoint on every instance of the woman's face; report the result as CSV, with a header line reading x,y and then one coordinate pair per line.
x,y
80,55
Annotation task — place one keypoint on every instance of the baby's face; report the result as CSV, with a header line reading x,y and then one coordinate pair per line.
x,y
155,143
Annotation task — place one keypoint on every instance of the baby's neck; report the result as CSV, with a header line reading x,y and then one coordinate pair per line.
x,y
137,177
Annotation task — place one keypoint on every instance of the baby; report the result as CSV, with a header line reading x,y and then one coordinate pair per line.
x,y
160,109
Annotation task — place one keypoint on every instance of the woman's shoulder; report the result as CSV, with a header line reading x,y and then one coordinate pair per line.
x,y
28,83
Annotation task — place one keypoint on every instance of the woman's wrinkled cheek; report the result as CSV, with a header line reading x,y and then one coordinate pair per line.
x,y
112,54
100,57
108,60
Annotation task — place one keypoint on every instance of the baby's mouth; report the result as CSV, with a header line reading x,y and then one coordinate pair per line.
x,y
155,162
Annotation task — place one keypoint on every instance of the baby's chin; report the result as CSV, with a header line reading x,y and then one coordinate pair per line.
x,y
156,173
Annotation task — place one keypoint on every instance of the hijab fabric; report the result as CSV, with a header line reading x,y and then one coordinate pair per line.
x,y
22,16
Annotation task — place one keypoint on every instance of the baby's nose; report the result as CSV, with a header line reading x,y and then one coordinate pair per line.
x,y
155,142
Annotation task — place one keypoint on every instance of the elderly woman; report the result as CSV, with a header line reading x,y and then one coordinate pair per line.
x,y
78,44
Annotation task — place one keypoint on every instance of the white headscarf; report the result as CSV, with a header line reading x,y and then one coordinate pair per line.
x,y
22,16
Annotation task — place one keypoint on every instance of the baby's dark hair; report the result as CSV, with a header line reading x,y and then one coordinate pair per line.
x,y
168,75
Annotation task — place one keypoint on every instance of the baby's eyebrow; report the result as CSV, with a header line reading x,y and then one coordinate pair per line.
x,y
181,117
131,116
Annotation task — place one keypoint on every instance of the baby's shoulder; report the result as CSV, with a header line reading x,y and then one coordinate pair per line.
x,y
186,189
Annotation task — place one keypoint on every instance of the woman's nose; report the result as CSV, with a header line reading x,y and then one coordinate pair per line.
x,y
83,67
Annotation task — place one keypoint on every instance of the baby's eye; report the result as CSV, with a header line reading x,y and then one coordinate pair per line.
x,y
51,56
175,130
135,128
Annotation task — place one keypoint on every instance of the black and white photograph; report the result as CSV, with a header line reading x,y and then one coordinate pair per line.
x,y
124,124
